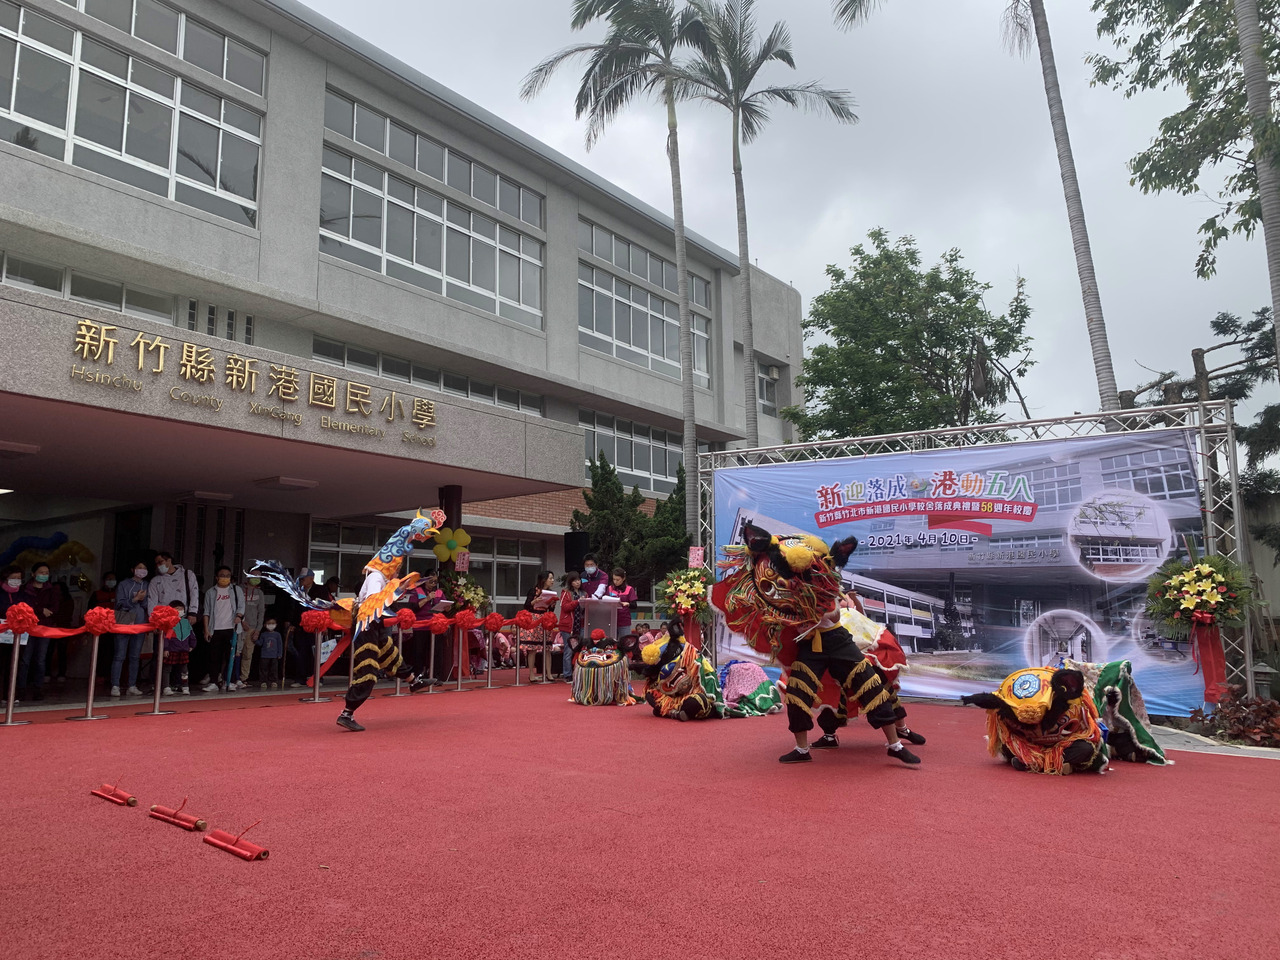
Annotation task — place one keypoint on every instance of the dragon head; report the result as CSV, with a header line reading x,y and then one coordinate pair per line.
x,y
793,574
420,528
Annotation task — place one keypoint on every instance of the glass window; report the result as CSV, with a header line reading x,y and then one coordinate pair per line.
x,y
366,218
604,244
453,383
30,274
400,190
239,174
508,397
427,377
150,130
48,32
8,60
509,276
105,293
484,186
399,232
158,25
430,158
669,278
203,47
335,206
371,128
44,85
368,174
100,111
242,119
197,150
531,208
584,236
531,285
331,350
244,66
158,306
481,391
655,270
459,215
338,115
430,202
429,247
104,58
337,162
201,101
365,360
117,13
395,368
586,307
621,253
483,265
460,173
509,203
10,14
401,144
457,262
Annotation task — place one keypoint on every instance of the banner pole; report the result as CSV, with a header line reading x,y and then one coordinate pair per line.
x,y
13,686
93,680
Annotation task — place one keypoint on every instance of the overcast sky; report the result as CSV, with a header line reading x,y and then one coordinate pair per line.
x,y
954,148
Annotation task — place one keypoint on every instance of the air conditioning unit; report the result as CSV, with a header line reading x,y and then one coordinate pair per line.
x,y
774,373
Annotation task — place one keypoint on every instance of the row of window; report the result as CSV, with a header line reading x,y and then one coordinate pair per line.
x,y
396,368
73,98
1121,553
1025,543
644,456
414,235
1163,474
766,390
639,262
626,321
112,294
166,28
357,122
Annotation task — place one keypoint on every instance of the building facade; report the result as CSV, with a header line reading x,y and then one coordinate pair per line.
x,y
264,288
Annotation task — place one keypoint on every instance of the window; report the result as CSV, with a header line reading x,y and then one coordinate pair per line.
x,y
1121,553
1056,487
767,389
1163,474
625,321
507,570
125,114
202,46
365,125
375,219
644,456
106,293
637,261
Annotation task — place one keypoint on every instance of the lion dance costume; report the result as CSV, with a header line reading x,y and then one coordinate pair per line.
x,y
781,594
373,649
682,683
1044,721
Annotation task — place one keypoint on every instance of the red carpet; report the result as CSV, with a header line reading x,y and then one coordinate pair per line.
x,y
510,824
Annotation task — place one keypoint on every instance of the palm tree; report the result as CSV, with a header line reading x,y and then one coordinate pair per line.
x,y
726,75
1257,87
637,58
1025,20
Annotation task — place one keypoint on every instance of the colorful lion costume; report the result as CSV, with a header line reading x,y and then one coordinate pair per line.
x,y
682,683
1044,721
883,652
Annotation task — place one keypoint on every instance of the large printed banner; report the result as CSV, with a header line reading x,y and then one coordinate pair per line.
x,y
982,560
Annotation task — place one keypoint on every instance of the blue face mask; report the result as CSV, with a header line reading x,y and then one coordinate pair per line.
x,y
42,578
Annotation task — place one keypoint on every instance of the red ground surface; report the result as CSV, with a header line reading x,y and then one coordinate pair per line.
x,y
510,823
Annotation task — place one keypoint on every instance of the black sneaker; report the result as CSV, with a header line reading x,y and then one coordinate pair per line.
x,y
905,755
420,683
348,722
911,737
825,742
795,756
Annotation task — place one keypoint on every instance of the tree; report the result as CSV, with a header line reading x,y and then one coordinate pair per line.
x,y
1217,52
661,543
637,58
893,347
1025,22
613,518
725,74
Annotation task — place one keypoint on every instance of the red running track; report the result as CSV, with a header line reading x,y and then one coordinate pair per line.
x,y
510,824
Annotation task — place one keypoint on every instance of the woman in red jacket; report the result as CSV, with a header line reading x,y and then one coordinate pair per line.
x,y
571,613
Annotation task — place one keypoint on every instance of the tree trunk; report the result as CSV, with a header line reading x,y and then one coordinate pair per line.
x,y
744,296
1257,86
692,489
1075,214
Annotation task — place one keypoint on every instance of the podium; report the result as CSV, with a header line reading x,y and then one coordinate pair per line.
x,y
600,614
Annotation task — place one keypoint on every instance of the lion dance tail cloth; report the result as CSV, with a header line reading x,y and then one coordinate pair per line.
x,y
682,682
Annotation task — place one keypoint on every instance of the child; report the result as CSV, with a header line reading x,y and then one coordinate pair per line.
x,y
270,652
177,650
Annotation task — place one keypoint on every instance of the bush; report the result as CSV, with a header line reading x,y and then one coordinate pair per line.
x,y
1250,719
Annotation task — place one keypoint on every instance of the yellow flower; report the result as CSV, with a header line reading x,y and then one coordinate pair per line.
x,y
448,542
1203,569
1189,603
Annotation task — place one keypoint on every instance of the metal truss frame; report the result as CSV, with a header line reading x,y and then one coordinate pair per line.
x,y
1218,476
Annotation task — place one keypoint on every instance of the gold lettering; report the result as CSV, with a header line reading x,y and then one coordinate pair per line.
x,y
358,399
197,363
324,391
241,374
155,345
92,338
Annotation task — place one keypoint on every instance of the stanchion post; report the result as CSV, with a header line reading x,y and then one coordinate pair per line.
x,y
155,710
400,649
315,678
432,661
517,656
13,687
458,640
93,680
488,658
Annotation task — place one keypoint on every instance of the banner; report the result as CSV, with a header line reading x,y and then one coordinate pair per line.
x,y
983,560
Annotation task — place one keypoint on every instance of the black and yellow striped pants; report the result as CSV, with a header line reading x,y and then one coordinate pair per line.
x,y
375,652
841,659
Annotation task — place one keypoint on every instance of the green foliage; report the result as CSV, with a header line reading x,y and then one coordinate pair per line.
x,y
1248,719
1214,587
1190,45
894,347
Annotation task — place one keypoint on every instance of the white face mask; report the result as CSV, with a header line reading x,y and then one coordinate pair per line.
x,y
162,568
271,626
589,570
15,583
140,573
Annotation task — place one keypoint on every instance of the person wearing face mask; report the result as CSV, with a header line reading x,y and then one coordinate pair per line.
x,y
10,593
594,580
45,599
105,596
255,610
173,582
270,653
131,607
223,616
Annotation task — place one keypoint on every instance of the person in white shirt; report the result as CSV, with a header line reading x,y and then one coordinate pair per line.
x,y
174,582
223,616
255,609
